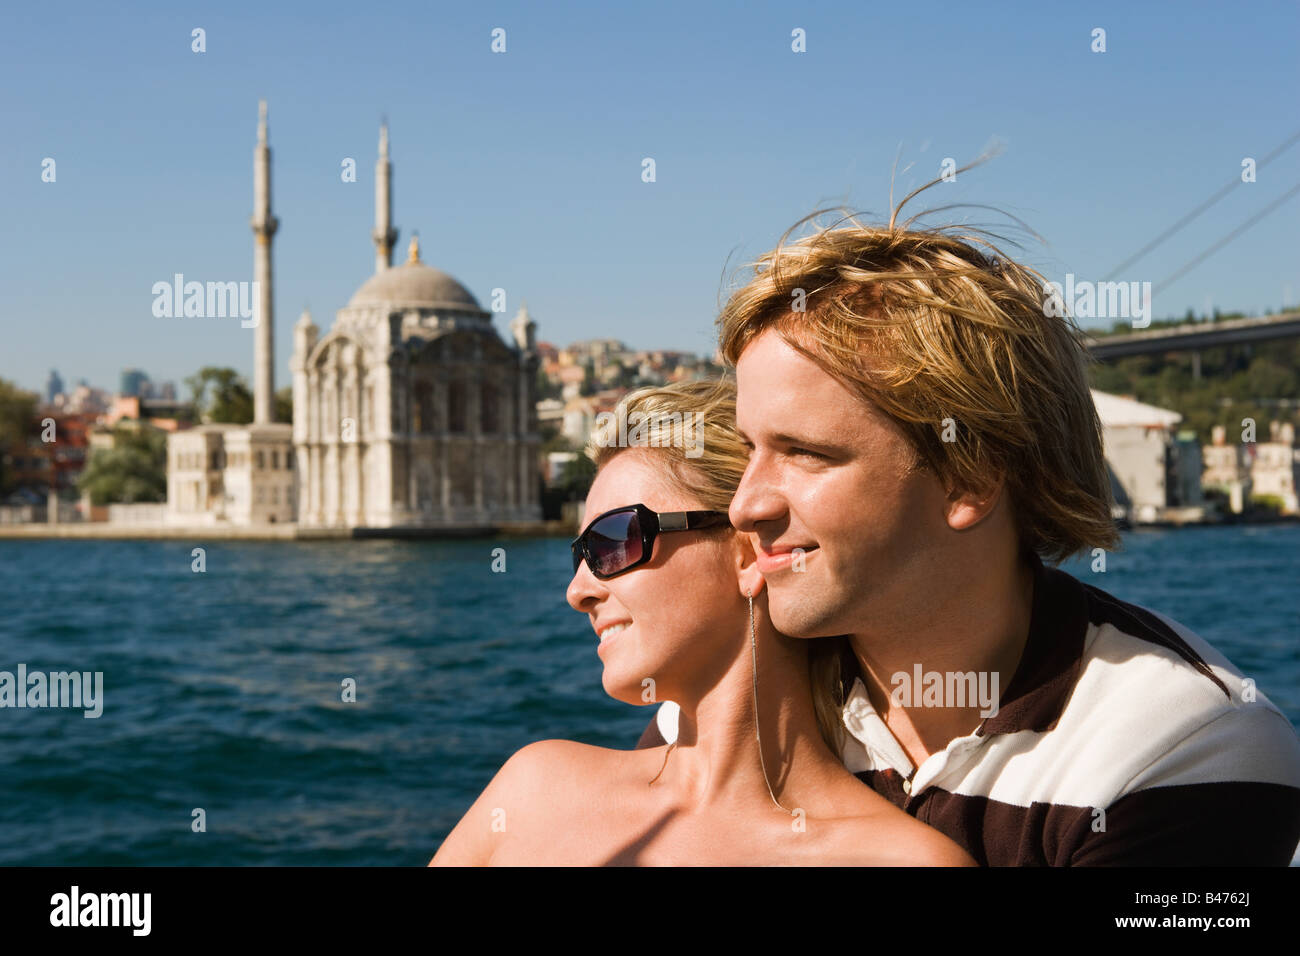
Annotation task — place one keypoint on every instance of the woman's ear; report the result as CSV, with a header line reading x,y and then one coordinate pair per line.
x,y
750,580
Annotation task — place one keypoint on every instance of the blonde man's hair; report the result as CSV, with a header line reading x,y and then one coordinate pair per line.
x,y
712,476
942,332
945,337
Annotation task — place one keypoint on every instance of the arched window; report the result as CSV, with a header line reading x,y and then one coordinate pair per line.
x,y
489,423
423,409
456,407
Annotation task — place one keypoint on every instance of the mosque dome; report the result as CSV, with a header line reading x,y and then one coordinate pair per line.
x,y
414,285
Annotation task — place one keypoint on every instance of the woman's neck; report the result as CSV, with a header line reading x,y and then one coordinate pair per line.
x,y
715,761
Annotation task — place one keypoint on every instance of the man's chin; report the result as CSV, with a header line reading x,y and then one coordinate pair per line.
x,y
799,617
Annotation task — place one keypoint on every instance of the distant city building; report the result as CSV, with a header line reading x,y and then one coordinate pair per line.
x,y
550,412
84,399
580,413
53,387
1275,471
556,462
1244,470
132,382
166,414
41,465
1154,472
1227,469
167,392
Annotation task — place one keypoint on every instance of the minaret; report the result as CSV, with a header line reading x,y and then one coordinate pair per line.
x,y
384,235
264,226
523,329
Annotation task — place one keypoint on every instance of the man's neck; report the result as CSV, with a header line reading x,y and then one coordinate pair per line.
x,y
981,626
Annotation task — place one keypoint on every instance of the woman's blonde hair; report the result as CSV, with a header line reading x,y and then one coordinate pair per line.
x,y
691,428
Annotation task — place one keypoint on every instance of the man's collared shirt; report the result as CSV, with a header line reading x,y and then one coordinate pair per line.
x,y
1123,738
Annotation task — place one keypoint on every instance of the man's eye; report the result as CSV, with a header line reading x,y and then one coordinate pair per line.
x,y
805,453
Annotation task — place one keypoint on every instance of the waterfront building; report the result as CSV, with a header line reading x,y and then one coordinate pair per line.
x,y
412,412
230,474
241,474
1156,473
1275,470
1227,469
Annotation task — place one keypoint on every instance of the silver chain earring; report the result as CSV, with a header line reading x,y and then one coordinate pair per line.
x,y
753,650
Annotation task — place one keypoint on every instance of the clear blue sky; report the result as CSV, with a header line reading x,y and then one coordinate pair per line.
x,y
522,170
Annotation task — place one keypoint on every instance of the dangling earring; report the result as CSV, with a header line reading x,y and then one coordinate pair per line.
x,y
753,650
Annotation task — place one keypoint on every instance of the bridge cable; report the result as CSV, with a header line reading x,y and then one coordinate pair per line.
x,y
1291,141
1227,239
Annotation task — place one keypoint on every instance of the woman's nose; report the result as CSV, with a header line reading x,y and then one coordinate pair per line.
x,y
583,589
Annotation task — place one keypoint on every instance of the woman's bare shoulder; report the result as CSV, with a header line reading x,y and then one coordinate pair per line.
x,y
547,772
535,784
542,762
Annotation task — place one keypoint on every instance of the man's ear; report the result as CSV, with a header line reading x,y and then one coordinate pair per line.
x,y
747,573
968,507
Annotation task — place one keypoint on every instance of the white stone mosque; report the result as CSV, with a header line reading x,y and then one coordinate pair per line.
x,y
410,413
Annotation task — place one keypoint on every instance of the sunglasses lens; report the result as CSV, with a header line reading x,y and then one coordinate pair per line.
x,y
614,542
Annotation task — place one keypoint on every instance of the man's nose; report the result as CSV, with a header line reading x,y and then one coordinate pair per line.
x,y
757,498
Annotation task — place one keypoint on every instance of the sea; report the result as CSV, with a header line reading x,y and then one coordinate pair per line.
x,y
225,738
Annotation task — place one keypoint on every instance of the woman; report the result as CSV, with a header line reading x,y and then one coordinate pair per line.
x,y
676,603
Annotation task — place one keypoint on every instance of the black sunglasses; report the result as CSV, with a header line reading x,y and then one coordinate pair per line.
x,y
624,538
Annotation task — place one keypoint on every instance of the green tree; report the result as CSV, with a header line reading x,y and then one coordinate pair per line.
x,y
545,387
284,405
17,423
555,441
133,470
220,395
576,478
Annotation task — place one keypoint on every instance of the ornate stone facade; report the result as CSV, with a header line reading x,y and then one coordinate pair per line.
x,y
412,412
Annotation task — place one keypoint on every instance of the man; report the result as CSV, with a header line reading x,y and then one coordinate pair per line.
x,y
922,440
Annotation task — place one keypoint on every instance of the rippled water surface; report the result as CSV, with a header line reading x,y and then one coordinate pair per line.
x,y
222,689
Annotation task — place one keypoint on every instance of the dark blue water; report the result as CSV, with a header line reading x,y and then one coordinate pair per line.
x,y
223,689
